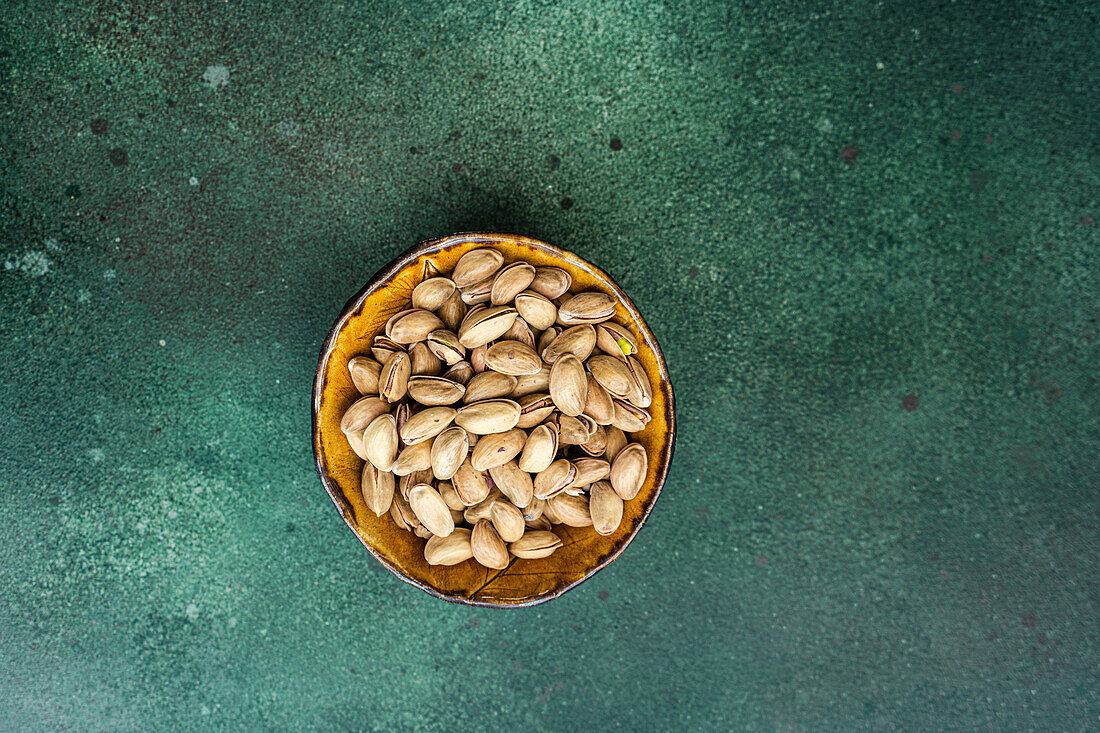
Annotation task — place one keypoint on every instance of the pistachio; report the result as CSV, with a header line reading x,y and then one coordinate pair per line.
x,y
497,449
533,510
641,393
477,359
362,413
388,327
460,372
364,374
488,416
393,379
380,442
568,385
413,326
554,479
423,532
452,312
551,282
515,358
377,489
615,340
384,347
590,470
470,485
476,265
577,340
432,293
539,523
482,327
530,383
444,344
549,514
489,385
539,450
426,424
431,510
450,550
521,332
435,391
407,482
401,416
448,451
487,546
590,426
535,544
598,404
616,441
536,310
514,483
450,496
571,431
422,360
533,409
605,508
629,418
355,440
612,374
596,443
572,510
590,307
547,337
507,519
416,457
482,510
479,292
628,471
510,281
402,514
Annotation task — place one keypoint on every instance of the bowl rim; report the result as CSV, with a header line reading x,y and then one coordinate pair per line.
x,y
384,275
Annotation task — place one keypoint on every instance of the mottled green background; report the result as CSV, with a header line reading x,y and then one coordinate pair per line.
x,y
864,233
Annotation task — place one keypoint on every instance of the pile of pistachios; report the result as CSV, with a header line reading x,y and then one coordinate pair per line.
x,y
498,405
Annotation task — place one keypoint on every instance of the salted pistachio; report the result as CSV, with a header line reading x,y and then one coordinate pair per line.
x,y
402,514
628,471
423,532
513,482
588,307
590,470
404,483
497,449
570,430
364,374
596,443
615,340
510,281
487,546
488,385
482,327
605,507
568,385
377,487
401,415
536,310
435,391
355,440
488,416
554,479
535,544
590,426
471,486
539,450
549,514
539,523
422,360
476,265
616,441
392,320
460,372
432,293
507,519
479,292
380,442
393,380
598,404
551,282
612,374
450,550
533,510
450,496
416,457
629,418
477,359
444,344
576,340
458,517
427,424
641,393
520,331
546,338
513,357
448,451
452,312
481,510
571,510
413,326
531,383
533,409
431,510
361,413
384,347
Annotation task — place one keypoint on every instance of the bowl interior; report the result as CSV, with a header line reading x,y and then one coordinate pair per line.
x,y
523,582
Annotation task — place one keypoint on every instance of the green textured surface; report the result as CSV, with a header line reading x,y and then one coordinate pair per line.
x,y
827,554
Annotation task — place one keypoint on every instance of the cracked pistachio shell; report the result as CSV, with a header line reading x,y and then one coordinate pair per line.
x,y
568,385
362,413
486,325
430,294
571,431
477,359
554,479
364,374
444,344
551,282
535,544
380,442
497,449
435,391
479,292
460,372
571,510
539,450
641,393
547,337
615,340
533,409
589,307
377,487
488,385
539,522
510,281
488,416
590,470
531,383
402,514
514,358
413,326
577,340
427,424
383,348
507,519
422,360
605,507
596,443
393,379
612,374
616,441
521,332
629,418
476,265
598,404
448,451
536,310
487,546
628,471
513,482
407,482
471,486
452,312
355,440
413,458
449,550
431,510
533,510
480,510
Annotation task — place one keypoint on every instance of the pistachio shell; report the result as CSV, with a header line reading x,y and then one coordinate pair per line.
x,y
476,265
407,482
427,424
377,489
444,344
549,514
414,326
489,385
572,510
507,519
628,471
629,418
533,510
479,292
355,440
536,310
452,312
615,340
590,470
497,449
416,457
531,383
547,337
520,331
551,282
605,507
477,359
535,544
402,514
450,496
616,441
554,479
450,550
513,482
568,385
435,391
393,380
641,393
577,340
364,374
488,416
597,442
539,523
362,413
533,409
448,451
612,374
571,431
380,442
431,510
422,360
598,404
487,546
482,510
460,372
432,293
511,281
384,347
514,358
480,328
589,307
471,486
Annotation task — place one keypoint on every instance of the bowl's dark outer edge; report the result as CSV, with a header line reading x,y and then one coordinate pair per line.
x,y
386,273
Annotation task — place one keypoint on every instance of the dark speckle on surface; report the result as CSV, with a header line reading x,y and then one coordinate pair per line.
x,y
603,595
99,126
978,179
693,272
616,144
1029,620
910,402
119,157
849,153
956,134
72,191
54,500
475,623
956,88
567,203
553,162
